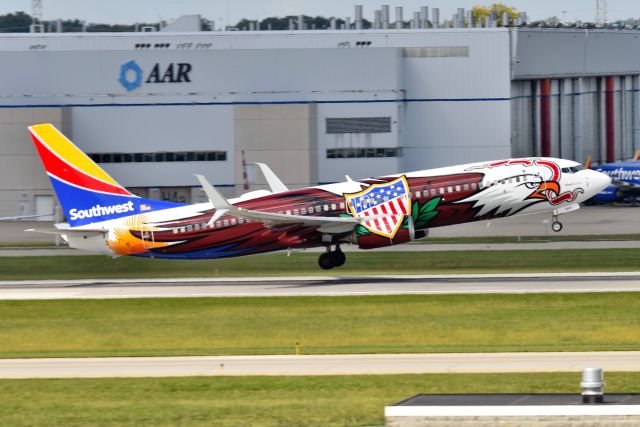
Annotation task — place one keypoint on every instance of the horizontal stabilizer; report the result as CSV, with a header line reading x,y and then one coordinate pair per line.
x,y
16,218
69,231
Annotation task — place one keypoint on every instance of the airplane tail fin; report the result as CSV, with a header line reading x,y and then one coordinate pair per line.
x,y
587,163
637,155
86,192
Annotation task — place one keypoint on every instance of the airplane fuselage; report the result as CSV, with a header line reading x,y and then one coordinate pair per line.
x,y
391,210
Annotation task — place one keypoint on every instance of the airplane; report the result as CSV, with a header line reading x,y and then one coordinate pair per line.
x,y
625,182
105,217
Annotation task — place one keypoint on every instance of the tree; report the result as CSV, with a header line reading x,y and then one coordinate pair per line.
x,y
553,20
15,23
496,9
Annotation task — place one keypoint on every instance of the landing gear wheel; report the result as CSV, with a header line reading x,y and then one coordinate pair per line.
x,y
556,226
338,257
326,261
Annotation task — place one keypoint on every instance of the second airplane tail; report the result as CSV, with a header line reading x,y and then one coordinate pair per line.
x,y
86,192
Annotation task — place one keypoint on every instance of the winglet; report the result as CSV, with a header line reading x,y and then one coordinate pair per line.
x,y
587,163
217,200
637,155
276,185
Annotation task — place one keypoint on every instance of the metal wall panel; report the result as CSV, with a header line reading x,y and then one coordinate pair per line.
x,y
554,53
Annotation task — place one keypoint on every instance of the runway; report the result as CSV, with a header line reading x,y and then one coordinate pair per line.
x,y
361,364
322,286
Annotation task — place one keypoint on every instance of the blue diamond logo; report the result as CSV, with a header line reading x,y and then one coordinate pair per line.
x,y
130,75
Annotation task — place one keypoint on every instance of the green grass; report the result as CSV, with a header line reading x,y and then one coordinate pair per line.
x,y
254,401
361,263
322,325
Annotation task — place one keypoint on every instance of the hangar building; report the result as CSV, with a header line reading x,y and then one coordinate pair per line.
x,y
154,108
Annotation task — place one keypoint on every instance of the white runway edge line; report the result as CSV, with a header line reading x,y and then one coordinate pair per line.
x,y
321,286
361,364
200,280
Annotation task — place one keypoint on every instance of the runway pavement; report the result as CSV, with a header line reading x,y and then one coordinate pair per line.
x,y
361,364
321,286
417,247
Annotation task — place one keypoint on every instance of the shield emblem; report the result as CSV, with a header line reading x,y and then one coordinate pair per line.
x,y
386,204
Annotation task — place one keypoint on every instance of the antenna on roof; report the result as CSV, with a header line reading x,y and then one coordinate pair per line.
x,y
36,17
601,11
36,11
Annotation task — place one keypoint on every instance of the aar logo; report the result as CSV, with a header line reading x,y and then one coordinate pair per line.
x,y
132,75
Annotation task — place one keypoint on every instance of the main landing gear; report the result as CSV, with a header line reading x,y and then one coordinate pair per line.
x,y
331,259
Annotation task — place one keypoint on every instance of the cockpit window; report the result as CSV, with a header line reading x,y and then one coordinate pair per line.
x,y
573,169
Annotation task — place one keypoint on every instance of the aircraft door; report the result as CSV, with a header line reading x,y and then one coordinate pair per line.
x,y
148,239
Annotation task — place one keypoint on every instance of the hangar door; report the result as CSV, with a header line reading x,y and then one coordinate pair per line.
x,y
44,207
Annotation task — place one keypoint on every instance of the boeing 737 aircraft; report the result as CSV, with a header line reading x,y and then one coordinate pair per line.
x,y
371,213
625,181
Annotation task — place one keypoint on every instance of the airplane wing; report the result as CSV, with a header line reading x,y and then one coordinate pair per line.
x,y
325,224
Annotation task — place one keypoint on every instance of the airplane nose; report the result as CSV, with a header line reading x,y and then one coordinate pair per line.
x,y
598,181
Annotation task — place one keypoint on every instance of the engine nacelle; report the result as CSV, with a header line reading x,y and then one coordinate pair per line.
x,y
372,241
611,194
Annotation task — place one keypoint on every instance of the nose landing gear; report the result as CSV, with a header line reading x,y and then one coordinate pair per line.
x,y
331,259
556,225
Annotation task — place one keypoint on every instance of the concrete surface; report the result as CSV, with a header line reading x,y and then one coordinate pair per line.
x,y
359,364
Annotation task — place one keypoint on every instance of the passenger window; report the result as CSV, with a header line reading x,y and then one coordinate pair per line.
x,y
233,221
218,224
288,212
295,212
189,227
465,187
333,206
341,205
473,186
450,189
318,209
433,191
441,190
417,194
457,188
226,222
303,211
196,227
326,208
175,231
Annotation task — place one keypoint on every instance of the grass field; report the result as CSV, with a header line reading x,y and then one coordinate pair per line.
x,y
361,263
254,401
322,325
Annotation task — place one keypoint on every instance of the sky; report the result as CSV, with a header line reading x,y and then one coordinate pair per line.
x,y
231,11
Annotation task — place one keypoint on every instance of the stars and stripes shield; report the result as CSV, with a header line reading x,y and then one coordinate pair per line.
x,y
386,204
